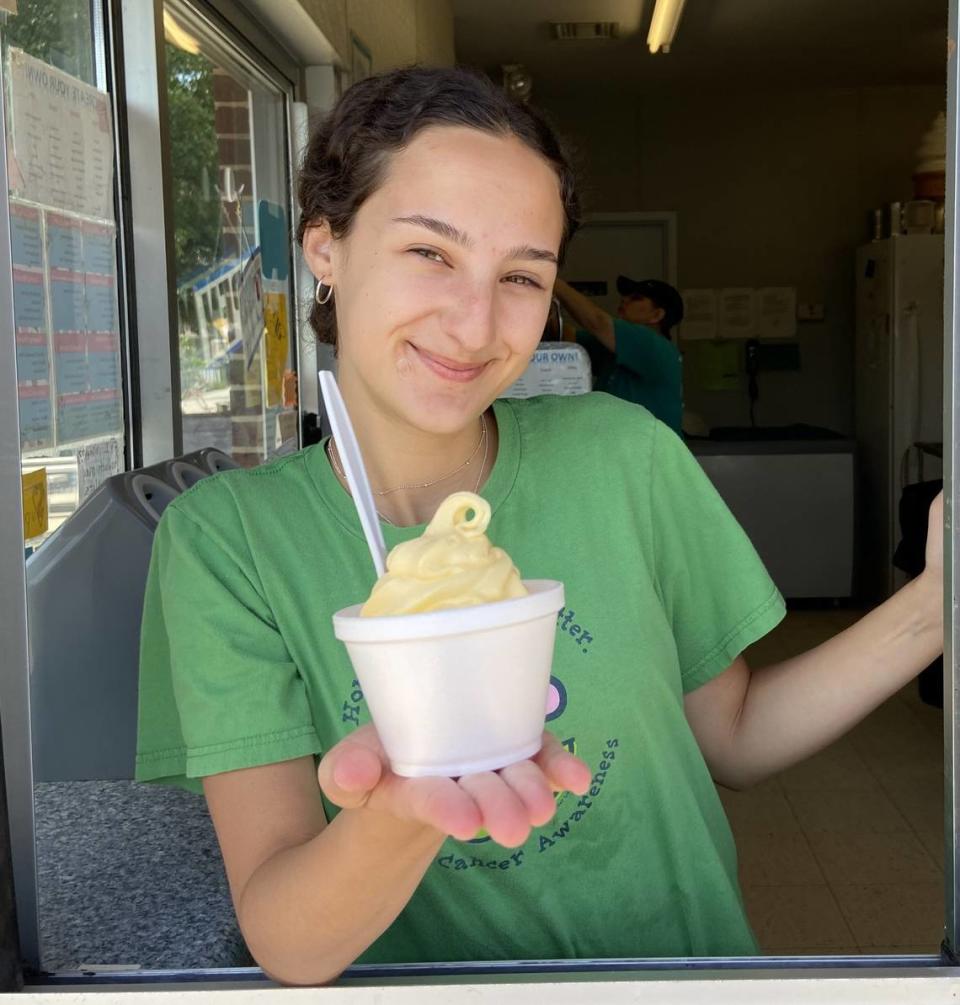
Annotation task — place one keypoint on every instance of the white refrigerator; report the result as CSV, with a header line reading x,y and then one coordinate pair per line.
x,y
898,382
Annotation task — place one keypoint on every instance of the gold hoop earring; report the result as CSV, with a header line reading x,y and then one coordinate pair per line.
x,y
322,297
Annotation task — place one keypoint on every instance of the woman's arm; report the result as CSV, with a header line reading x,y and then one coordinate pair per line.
x,y
751,725
310,897
587,314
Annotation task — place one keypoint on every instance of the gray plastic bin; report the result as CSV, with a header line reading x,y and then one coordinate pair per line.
x,y
127,873
85,597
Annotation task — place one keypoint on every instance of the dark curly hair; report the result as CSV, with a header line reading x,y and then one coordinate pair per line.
x,y
350,148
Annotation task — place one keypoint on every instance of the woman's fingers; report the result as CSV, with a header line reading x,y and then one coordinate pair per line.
x,y
438,802
351,770
507,803
531,786
505,816
563,770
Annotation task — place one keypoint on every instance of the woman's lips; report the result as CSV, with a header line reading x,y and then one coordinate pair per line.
x,y
448,369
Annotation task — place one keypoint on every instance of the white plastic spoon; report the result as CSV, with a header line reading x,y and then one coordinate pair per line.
x,y
356,473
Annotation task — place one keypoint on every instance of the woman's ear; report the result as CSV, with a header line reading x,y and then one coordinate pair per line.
x,y
317,251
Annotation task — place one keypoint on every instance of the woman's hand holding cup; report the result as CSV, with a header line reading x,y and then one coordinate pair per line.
x,y
506,803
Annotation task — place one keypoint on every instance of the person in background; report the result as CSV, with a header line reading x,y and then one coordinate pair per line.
x,y
633,354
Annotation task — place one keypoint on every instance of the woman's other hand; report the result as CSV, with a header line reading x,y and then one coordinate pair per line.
x,y
931,579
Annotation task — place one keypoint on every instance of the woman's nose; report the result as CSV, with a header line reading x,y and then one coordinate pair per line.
x,y
470,317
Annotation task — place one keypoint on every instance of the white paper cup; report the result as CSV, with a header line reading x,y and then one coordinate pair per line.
x,y
457,691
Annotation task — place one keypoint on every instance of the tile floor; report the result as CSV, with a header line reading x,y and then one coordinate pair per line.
x,y
844,853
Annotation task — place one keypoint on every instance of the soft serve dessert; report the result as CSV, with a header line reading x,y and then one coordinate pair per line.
x,y
452,564
452,650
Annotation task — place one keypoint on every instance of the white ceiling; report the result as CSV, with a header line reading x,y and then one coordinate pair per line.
x,y
720,43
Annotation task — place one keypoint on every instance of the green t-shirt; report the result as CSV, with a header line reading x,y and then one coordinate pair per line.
x,y
646,369
240,667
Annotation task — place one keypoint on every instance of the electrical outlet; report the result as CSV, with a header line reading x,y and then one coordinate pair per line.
x,y
809,312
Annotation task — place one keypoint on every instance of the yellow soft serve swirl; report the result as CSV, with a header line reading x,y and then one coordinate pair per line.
x,y
452,564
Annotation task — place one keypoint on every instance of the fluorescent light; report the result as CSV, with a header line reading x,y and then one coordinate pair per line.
x,y
663,24
177,35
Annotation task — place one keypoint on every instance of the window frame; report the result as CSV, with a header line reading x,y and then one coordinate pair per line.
x,y
135,58
231,30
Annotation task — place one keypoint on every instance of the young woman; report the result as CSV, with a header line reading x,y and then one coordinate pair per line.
x,y
435,212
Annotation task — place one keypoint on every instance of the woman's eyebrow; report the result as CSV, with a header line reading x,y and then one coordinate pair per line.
x,y
535,254
451,233
439,227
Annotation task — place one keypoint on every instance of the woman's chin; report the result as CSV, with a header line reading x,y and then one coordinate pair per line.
x,y
445,425
442,417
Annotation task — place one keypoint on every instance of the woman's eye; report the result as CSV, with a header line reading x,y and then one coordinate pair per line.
x,y
524,281
429,254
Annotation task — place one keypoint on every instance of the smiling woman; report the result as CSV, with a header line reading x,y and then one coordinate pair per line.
x,y
440,280
437,311
435,213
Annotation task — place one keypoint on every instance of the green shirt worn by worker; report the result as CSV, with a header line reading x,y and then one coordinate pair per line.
x,y
646,368
240,667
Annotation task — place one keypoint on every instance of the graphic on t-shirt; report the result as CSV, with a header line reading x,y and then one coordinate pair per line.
x,y
556,704
567,622
556,699
575,808
571,809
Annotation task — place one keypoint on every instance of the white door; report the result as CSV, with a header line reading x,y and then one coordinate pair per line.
x,y
638,245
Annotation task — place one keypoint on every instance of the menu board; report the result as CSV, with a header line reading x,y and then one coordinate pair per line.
x,y
31,330
556,368
63,241
61,133
67,328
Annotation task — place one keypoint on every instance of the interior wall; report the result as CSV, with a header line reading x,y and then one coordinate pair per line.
x,y
389,30
330,16
771,188
435,33
395,33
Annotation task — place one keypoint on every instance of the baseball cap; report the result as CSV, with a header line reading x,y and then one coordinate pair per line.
x,y
661,293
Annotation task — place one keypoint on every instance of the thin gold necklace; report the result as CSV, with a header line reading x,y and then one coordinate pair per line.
x,y
335,458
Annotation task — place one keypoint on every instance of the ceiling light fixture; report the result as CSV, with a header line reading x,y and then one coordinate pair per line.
x,y
178,36
578,31
663,24
517,81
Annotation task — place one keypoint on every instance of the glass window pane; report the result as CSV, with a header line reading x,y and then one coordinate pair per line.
x,y
63,233
231,211
59,32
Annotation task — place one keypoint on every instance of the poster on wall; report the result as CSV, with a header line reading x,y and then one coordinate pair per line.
x,y
100,299
61,134
84,327
36,518
88,415
736,312
25,238
30,322
36,417
699,315
63,242
96,462
250,298
277,344
777,312
67,326
275,268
